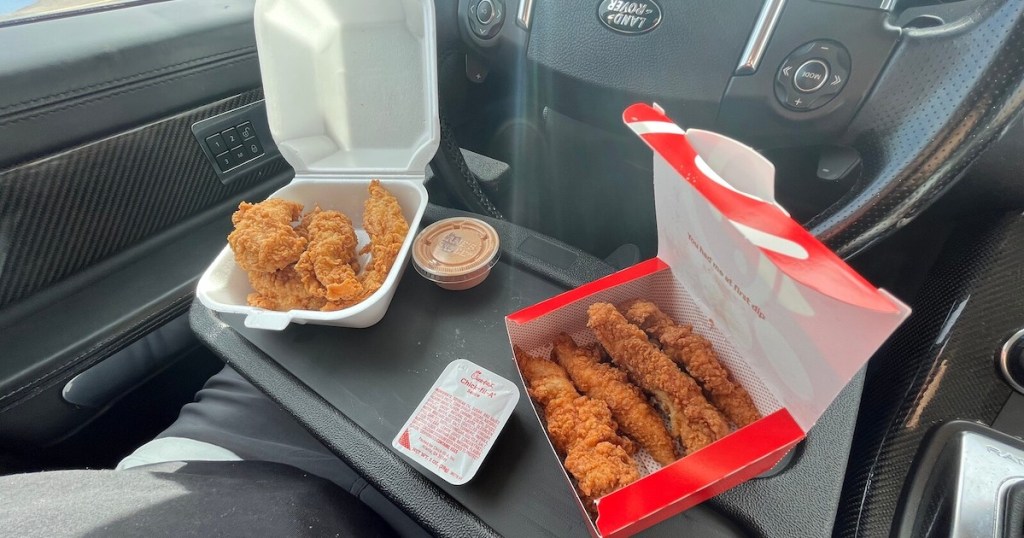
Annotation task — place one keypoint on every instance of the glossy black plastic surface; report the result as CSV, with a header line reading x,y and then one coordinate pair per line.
x,y
939,366
354,388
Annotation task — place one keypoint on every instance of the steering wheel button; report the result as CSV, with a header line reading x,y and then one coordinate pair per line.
x,y
485,11
811,76
799,102
787,70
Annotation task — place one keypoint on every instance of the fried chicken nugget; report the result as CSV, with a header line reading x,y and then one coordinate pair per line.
x,y
692,418
581,428
610,385
695,353
387,228
328,266
263,239
281,290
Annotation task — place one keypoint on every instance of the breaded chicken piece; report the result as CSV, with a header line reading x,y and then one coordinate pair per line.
x,y
263,239
602,469
281,290
581,428
629,407
692,418
695,353
387,228
328,266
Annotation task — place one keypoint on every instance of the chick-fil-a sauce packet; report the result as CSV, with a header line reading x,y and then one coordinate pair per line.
x,y
455,425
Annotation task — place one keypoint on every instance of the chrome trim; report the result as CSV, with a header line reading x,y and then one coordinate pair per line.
x,y
1004,358
824,79
758,42
524,14
987,469
493,12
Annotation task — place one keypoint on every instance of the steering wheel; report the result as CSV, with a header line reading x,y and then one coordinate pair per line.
x,y
945,96
918,104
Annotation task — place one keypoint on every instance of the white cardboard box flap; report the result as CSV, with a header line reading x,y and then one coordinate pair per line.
x,y
350,86
807,321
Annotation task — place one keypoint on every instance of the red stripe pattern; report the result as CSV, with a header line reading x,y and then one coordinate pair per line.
x,y
785,242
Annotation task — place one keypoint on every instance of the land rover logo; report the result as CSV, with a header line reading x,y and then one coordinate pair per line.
x,y
628,17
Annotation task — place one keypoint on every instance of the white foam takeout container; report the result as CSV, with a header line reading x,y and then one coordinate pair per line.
x,y
351,95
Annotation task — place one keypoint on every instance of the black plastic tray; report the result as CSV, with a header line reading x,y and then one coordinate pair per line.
x,y
354,388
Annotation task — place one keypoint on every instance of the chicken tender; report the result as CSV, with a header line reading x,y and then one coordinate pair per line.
x,y
695,353
328,266
581,428
629,407
281,290
692,418
387,228
263,239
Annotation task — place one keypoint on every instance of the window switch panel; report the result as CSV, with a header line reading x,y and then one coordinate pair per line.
x,y
237,142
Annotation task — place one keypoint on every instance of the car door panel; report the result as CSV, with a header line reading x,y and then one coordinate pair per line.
x,y
71,79
109,207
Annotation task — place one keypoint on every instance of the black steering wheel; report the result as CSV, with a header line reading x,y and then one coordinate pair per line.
x,y
946,94
920,105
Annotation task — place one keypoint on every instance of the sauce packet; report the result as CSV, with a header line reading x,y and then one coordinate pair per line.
x,y
454,427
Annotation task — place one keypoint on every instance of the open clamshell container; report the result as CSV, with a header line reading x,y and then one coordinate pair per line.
x,y
791,320
351,95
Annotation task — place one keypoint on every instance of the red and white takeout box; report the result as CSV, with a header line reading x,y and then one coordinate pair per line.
x,y
790,319
351,95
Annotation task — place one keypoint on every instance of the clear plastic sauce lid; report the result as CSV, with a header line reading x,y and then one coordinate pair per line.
x,y
456,250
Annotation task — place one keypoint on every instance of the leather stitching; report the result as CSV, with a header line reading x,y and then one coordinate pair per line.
x,y
76,104
108,83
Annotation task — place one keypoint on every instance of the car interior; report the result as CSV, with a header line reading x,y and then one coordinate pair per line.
x,y
131,130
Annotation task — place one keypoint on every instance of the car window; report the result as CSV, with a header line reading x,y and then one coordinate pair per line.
x,y
18,11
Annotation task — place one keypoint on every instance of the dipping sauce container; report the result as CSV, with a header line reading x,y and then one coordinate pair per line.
x,y
456,253
456,424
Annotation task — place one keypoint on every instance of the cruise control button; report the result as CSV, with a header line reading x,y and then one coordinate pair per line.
x,y
799,102
485,11
811,76
785,74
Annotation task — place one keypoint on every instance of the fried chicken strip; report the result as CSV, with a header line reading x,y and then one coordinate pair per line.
x,y
695,353
281,290
581,428
263,239
328,266
629,407
692,418
387,228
